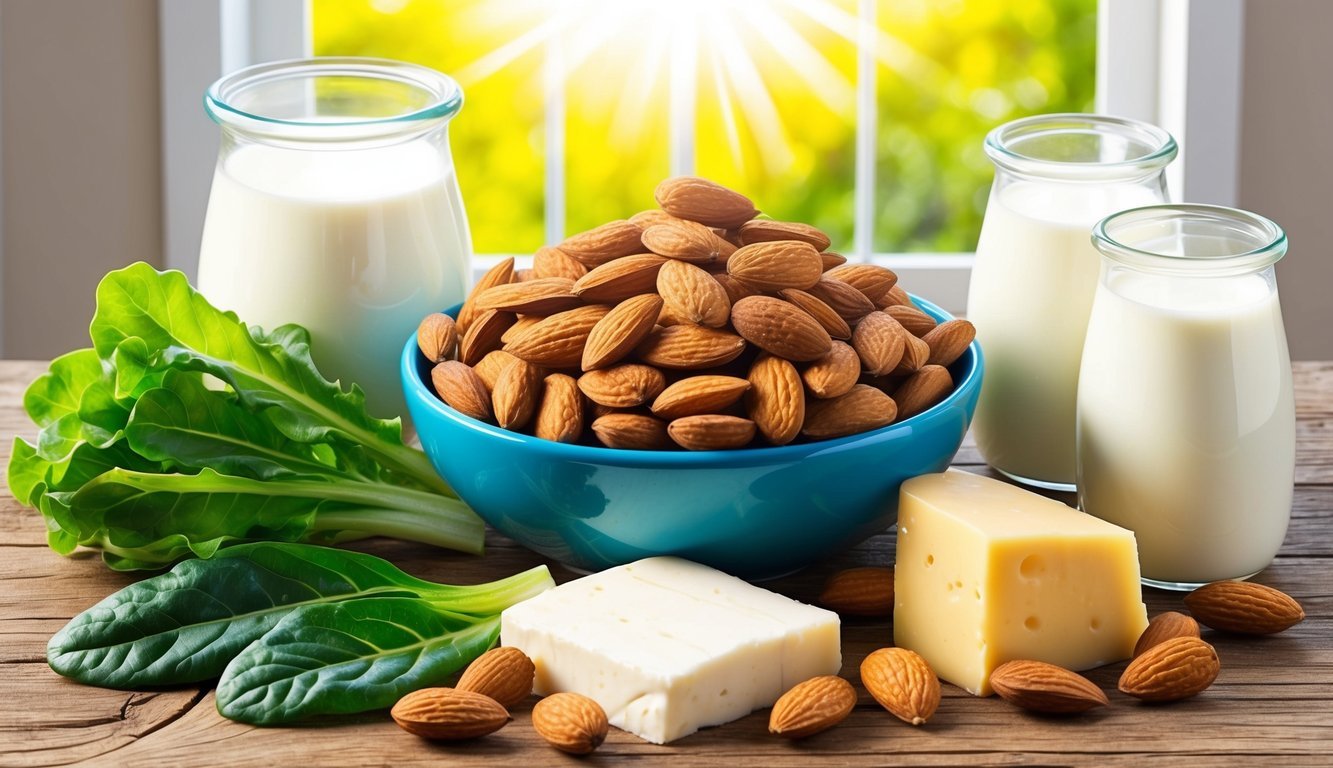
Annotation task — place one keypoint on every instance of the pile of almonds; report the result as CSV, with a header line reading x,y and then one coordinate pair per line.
x,y
696,325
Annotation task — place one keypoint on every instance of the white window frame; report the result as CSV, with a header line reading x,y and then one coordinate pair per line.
x,y
1175,63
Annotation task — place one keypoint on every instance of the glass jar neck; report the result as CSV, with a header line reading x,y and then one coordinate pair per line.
x,y
1189,241
1078,148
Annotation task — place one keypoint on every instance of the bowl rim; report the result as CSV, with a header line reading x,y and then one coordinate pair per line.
x,y
416,389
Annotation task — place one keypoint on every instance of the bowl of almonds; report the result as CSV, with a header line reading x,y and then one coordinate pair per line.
x,y
696,380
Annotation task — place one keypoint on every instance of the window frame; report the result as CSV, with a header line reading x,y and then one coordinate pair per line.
x,y
1175,63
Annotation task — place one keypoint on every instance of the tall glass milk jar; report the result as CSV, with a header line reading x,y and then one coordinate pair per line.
x,y
1186,426
1035,275
334,205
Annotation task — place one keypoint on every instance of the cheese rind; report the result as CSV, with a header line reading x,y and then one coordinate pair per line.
x,y
668,646
988,572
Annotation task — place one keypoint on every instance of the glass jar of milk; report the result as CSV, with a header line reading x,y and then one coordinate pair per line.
x,y
1035,275
334,205
1186,426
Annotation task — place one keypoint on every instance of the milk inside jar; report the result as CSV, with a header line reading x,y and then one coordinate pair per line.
x,y
1036,273
1186,422
334,205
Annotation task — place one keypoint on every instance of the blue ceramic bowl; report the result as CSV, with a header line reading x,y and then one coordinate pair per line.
x,y
755,513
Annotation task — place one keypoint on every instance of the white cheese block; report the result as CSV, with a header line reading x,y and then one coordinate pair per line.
x,y
668,646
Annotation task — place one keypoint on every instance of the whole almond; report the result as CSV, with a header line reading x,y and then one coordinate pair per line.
x,y
833,374
916,322
895,297
553,262
922,389
500,274
1163,627
689,347
524,275
915,354
874,281
829,260
437,337
949,340
648,218
696,199
623,386
602,244
823,314
634,431
520,325
484,335
560,414
692,294
620,279
1244,607
504,674
781,328
776,265
621,330
903,683
812,706
1171,670
543,296
516,393
711,432
879,341
696,395
448,714
570,722
862,409
866,591
736,290
850,304
1041,687
558,341
491,365
462,389
776,400
764,230
687,241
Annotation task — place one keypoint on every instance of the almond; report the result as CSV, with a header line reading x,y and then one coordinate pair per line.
x,y
635,431
879,341
864,591
869,279
812,706
1163,627
850,304
648,218
1244,607
602,244
500,274
490,366
515,395
462,389
553,262
687,241
624,386
829,260
484,335
570,722
776,400
1172,670
620,279
448,714
544,296
949,340
778,327
833,374
689,197
524,275
689,347
621,330
504,674
922,389
711,432
736,290
764,230
558,341
916,322
777,265
903,683
823,314
523,323
437,336
560,414
863,408
1041,687
697,395
693,295
896,297
915,354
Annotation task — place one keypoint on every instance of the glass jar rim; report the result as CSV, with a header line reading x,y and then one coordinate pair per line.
x,y
1160,147
1264,241
444,99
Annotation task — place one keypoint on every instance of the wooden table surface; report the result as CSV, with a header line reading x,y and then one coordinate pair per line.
x,y
1272,704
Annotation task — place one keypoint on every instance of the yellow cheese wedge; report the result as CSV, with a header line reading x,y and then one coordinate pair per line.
x,y
988,572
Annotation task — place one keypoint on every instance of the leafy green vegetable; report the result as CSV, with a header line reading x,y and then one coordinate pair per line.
x,y
183,430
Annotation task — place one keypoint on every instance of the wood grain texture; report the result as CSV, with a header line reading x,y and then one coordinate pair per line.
x,y
1270,705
